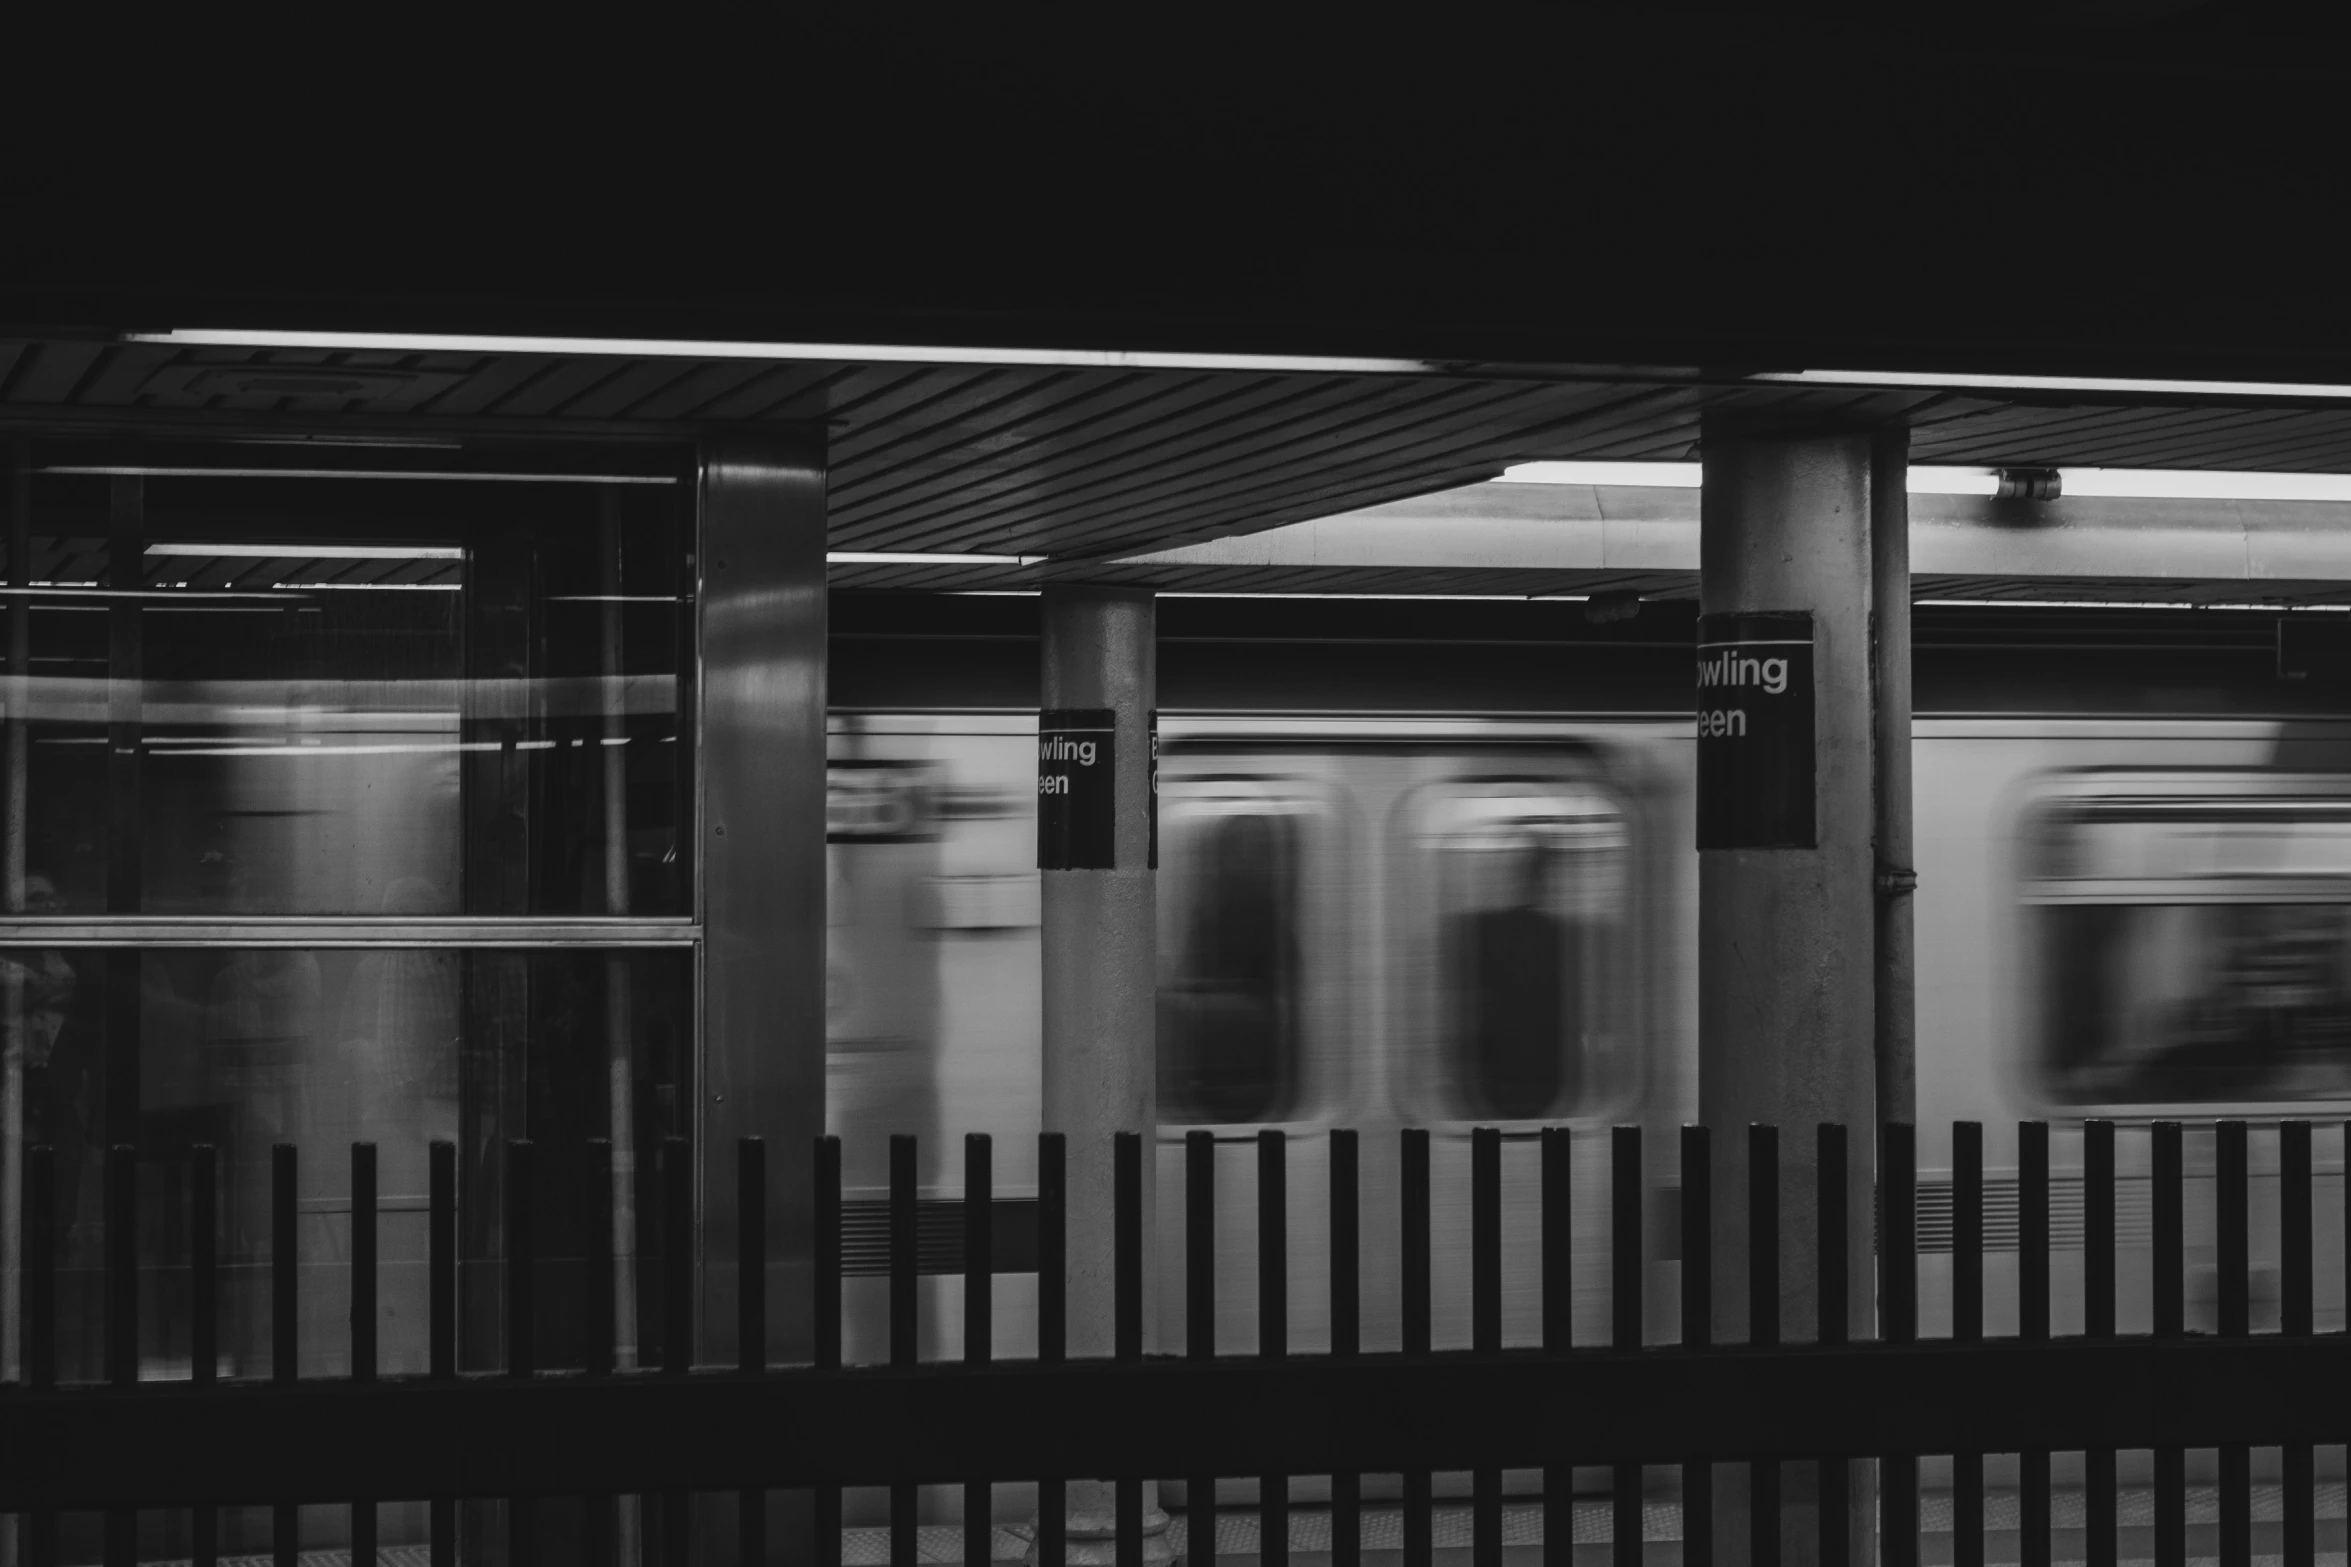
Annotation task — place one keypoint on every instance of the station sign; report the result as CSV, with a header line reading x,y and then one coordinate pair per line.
x,y
1077,789
1756,759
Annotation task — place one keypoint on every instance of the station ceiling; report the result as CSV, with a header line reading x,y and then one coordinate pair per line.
x,y
1086,466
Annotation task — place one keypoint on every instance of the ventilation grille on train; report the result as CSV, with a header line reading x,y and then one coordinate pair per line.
x,y
938,1235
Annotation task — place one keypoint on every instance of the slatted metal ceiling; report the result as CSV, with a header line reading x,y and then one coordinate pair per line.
x,y
1086,465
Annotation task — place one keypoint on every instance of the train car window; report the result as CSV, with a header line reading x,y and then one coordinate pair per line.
x,y
2194,951
1530,885
1230,945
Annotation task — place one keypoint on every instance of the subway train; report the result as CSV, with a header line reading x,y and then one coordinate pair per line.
x,y
1433,865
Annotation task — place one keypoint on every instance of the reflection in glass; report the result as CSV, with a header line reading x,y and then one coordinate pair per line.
x,y
1228,1030
357,696
1530,888
317,1048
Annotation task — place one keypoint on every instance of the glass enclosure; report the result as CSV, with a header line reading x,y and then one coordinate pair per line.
x,y
348,798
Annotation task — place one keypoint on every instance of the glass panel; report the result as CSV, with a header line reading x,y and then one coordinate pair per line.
x,y
1229,1027
356,696
2151,1003
1530,885
244,1049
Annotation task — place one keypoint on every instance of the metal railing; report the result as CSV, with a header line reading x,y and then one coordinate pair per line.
x,y
526,1434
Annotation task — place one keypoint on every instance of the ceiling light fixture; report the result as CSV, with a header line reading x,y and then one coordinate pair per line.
x,y
899,558
2141,385
312,551
689,348
2185,484
136,471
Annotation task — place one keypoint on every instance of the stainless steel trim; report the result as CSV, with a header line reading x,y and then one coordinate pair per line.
x,y
327,931
762,837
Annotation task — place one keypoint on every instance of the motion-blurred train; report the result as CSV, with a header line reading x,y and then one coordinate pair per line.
x,y
1438,871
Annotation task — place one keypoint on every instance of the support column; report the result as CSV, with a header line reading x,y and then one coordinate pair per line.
x,y
763,867
1097,845
1897,974
1787,904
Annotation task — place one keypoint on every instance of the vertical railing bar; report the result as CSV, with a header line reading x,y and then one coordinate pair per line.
x,y
2100,1539
2232,1234
1831,1202
441,1314
203,1264
1273,1325
1052,1248
2298,1503
1763,1323
120,1248
1627,1259
2170,1290
364,1304
751,1322
1413,1144
979,1249
602,1309
285,1534
979,1316
122,1264
2032,1319
677,1272
825,1310
905,1239
1485,1316
40,1316
1557,1148
1898,1291
1126,1283
905,1324
1346,1335
1126,1286
1967,1326
284,1321
751,1256
522,1529
441,1261
1200,1323
1199,1245
1697,1327
522,1269
825,1273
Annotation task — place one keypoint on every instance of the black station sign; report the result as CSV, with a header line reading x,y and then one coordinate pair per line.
x,y
1077,806
1755,752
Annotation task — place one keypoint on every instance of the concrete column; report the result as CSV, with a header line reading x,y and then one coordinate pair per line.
x,y
1787,1009
1100,958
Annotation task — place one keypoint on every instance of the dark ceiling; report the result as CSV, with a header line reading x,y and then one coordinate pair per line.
x,y
1600,220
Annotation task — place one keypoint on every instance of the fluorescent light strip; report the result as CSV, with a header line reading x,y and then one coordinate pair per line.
x,y
2177,484
2267,609
139,471
688,348
313,551
894,558
370,587
1964,381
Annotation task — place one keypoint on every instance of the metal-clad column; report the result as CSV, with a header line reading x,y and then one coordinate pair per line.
x,y
763,864
1096,849
1897,975
1787,900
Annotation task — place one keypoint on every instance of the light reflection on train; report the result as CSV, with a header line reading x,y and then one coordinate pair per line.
x,y
1448,923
